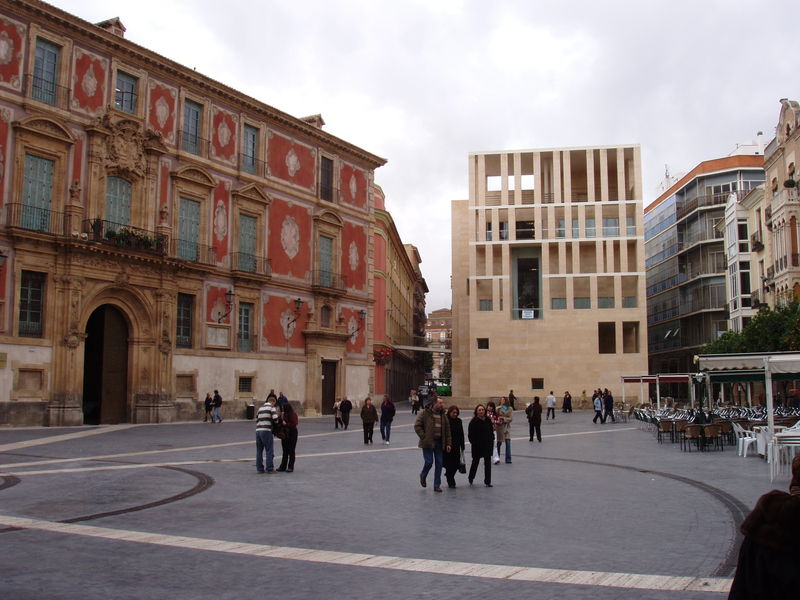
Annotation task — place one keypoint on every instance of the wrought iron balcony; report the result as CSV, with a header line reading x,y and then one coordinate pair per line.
x,y
125,236
329,280
44,90
191,251
251,263
253,166
192,143
33,218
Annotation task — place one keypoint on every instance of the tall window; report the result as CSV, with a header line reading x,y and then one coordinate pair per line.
x,y
325,261
37,193
125,95
118,201
326,179
189,229
183,329
249,149
31,297
245,326
45,71
191,126
247,243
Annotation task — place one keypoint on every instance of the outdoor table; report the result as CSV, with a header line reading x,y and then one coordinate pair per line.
x,y
761,437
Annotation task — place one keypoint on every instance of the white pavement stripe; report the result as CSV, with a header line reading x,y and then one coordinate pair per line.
x,y
394,563
12,468
64,437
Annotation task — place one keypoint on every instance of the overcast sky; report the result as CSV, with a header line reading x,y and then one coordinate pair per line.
x,y
423,83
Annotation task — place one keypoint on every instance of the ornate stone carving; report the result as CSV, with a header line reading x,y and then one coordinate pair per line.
x,y
165,345
125,147
74,337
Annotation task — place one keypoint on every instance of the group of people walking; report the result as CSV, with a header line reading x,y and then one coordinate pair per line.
x,y
442,440
603,403
212,405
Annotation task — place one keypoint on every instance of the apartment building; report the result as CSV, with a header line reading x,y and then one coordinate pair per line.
x,y
548,273
163,235
439,336
688,262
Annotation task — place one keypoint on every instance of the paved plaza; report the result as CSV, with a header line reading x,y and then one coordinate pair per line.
x,y
178,511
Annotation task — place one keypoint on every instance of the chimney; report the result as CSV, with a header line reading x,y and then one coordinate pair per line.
x,y
315,120
114,26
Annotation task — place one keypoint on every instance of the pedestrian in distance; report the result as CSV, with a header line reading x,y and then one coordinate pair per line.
x,y
503,428
266,419
209,406
608,404
481,440
217,403
534,413
551,406
566,405
454,459
387,416
413,400
598,408
345,407
369,415
433,430
491,414
273,397
282,401
512,400
289,441
337,414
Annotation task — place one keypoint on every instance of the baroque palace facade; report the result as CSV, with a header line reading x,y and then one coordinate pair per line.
x,y
163,235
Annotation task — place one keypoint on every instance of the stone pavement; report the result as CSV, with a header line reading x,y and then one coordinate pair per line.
x,y
178,511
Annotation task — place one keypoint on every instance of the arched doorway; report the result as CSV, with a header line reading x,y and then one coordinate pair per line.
x,y
105,371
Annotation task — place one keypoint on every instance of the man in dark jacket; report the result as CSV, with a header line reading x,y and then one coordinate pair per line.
x,y
217,404
345,407
433,430
387,416
608,403
534,413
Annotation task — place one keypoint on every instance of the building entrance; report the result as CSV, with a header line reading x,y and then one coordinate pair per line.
x,y
105,371
328,386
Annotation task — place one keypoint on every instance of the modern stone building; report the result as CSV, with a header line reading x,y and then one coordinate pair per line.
x,y
163,235
548,273
687,260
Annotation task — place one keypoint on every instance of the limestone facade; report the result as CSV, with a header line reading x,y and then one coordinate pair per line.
x,y
548,273
165,235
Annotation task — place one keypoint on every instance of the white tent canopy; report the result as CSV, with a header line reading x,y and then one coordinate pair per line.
x,y
758,365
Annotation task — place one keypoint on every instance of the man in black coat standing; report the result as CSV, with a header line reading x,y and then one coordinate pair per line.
x,y
345,407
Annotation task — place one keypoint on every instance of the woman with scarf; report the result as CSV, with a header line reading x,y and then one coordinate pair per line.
x,y
453,458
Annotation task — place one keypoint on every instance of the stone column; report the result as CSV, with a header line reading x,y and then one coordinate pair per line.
x,y
66,403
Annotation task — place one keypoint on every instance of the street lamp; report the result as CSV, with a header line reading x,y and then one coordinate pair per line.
x,y
298,306
228,305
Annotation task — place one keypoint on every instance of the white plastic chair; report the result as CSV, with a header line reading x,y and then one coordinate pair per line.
x,y
744,439
781,450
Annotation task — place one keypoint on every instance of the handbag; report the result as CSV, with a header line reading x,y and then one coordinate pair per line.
x,y
462,464
279,430
495,455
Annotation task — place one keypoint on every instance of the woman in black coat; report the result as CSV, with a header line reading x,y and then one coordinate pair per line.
x,y
452,459
481,438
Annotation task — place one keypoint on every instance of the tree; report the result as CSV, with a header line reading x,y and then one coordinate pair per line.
x,y
769,331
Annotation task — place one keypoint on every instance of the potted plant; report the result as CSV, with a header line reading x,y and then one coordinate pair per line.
x,y
789,183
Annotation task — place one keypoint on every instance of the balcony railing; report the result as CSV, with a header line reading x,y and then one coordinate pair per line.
x,y
44,90
35,219
250,263
192,143
250,164
191,251
244,342
328,279
125,236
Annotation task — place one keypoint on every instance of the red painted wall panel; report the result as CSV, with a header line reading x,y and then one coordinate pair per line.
x,y
221,220
291,161
354,255
279,312
89,82
353,186
352,321
289,238
380,253
11,37
379,310
163,101
215,304
223,137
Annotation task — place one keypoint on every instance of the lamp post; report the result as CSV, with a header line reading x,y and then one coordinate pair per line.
x,y
228,305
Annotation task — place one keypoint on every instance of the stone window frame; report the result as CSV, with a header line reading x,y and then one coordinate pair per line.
x,y
64,66
17,393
